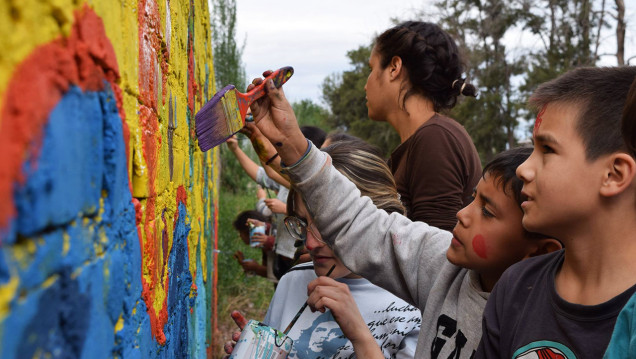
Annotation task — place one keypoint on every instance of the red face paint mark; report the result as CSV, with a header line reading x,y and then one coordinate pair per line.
x,y
479,246
537,123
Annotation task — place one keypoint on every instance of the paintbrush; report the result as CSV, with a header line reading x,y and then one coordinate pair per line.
x,y
304,306
224,114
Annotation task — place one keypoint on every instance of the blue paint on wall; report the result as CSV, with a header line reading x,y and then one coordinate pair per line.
x,y
179,301
66,179
84,272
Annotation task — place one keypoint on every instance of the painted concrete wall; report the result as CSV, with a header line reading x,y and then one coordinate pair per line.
x,y
107,206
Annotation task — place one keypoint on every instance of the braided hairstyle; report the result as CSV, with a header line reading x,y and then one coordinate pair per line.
x,y
431,59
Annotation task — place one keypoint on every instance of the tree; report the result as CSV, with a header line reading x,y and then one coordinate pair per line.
x,y
479,28
567,32
311,114
228,65
344,93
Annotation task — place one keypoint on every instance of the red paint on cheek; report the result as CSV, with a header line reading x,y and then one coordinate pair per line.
x,y
537,123
479,246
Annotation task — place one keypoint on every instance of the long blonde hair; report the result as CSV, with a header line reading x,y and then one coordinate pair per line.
x,y
367,171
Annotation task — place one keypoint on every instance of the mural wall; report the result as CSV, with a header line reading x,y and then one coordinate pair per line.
x,y
107,207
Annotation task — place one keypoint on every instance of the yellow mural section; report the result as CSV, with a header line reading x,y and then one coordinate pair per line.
x,y
177,172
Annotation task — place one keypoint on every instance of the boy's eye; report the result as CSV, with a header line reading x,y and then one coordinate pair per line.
x,y
486,213
547,149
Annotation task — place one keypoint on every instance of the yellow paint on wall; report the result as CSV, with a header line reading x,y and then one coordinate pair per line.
x,y
39,23
66,243
42,21
120,323
50,281
7,293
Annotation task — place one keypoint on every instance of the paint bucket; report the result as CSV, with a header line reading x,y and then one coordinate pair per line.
x,y
253,230
259,341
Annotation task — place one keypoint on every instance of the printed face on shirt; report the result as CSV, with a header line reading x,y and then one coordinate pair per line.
x,y
376,94
322,256
489,237
560,183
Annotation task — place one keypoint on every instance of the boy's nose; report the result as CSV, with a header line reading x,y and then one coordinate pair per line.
x,y
312,242
524,171
462,215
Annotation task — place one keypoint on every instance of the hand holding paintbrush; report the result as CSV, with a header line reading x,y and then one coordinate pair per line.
x,y
276,120
224,115
291,324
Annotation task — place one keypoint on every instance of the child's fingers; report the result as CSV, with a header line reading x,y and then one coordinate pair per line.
x,y
236,336
228,347
324,281
239,319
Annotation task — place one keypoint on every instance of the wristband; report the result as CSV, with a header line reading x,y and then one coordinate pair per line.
x,y
271,159
302,158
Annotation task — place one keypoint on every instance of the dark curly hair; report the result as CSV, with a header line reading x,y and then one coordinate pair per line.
x,y
431,59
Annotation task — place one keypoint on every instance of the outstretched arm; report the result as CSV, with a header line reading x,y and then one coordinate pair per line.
x,y
250,167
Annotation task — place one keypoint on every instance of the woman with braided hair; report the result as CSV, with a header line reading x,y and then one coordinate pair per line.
x,y
416,72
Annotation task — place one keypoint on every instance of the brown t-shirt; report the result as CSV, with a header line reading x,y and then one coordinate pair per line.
x,y
436,170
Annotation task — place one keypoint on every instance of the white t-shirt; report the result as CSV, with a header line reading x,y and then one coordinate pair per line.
x,y
394,323
284,245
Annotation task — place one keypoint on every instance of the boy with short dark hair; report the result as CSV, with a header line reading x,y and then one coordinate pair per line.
x,y
580,184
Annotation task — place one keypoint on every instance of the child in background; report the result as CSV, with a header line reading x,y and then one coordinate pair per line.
x,y
623,342
416,72
446,275
251,266
580,186
284,244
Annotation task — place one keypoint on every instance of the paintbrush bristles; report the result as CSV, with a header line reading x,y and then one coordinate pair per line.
x,y
219,119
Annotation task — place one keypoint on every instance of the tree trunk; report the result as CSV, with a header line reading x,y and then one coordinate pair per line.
x,y
620,32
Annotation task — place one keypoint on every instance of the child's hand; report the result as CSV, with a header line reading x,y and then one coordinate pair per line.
x,y
275,118
264,241
241,322
239,257
232,143
276,205
249,266
326,293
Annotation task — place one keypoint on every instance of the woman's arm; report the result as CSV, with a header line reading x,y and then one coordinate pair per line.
x,y
250,167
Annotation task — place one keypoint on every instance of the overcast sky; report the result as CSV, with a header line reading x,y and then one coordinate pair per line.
x,y
311,36
314,36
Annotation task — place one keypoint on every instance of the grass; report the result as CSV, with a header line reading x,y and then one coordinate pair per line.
x,y
248,294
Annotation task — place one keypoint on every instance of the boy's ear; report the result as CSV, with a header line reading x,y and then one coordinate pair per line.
x,y
395,67
619,175
545,246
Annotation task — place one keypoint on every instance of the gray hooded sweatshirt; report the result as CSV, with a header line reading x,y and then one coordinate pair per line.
x,y
404,257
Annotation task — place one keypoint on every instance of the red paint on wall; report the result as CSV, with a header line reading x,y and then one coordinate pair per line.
x,y
479,246
151,62
86,59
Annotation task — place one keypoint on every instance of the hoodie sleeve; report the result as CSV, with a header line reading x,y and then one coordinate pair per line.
x,y
391,251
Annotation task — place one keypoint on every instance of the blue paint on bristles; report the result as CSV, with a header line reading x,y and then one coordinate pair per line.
x,y
224,114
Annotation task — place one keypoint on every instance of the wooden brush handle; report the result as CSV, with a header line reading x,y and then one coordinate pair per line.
x,y
279,77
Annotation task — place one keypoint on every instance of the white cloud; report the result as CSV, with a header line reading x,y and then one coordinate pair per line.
x,y
311,36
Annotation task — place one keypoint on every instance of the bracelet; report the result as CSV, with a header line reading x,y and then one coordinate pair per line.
x,y
271,159
309,144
